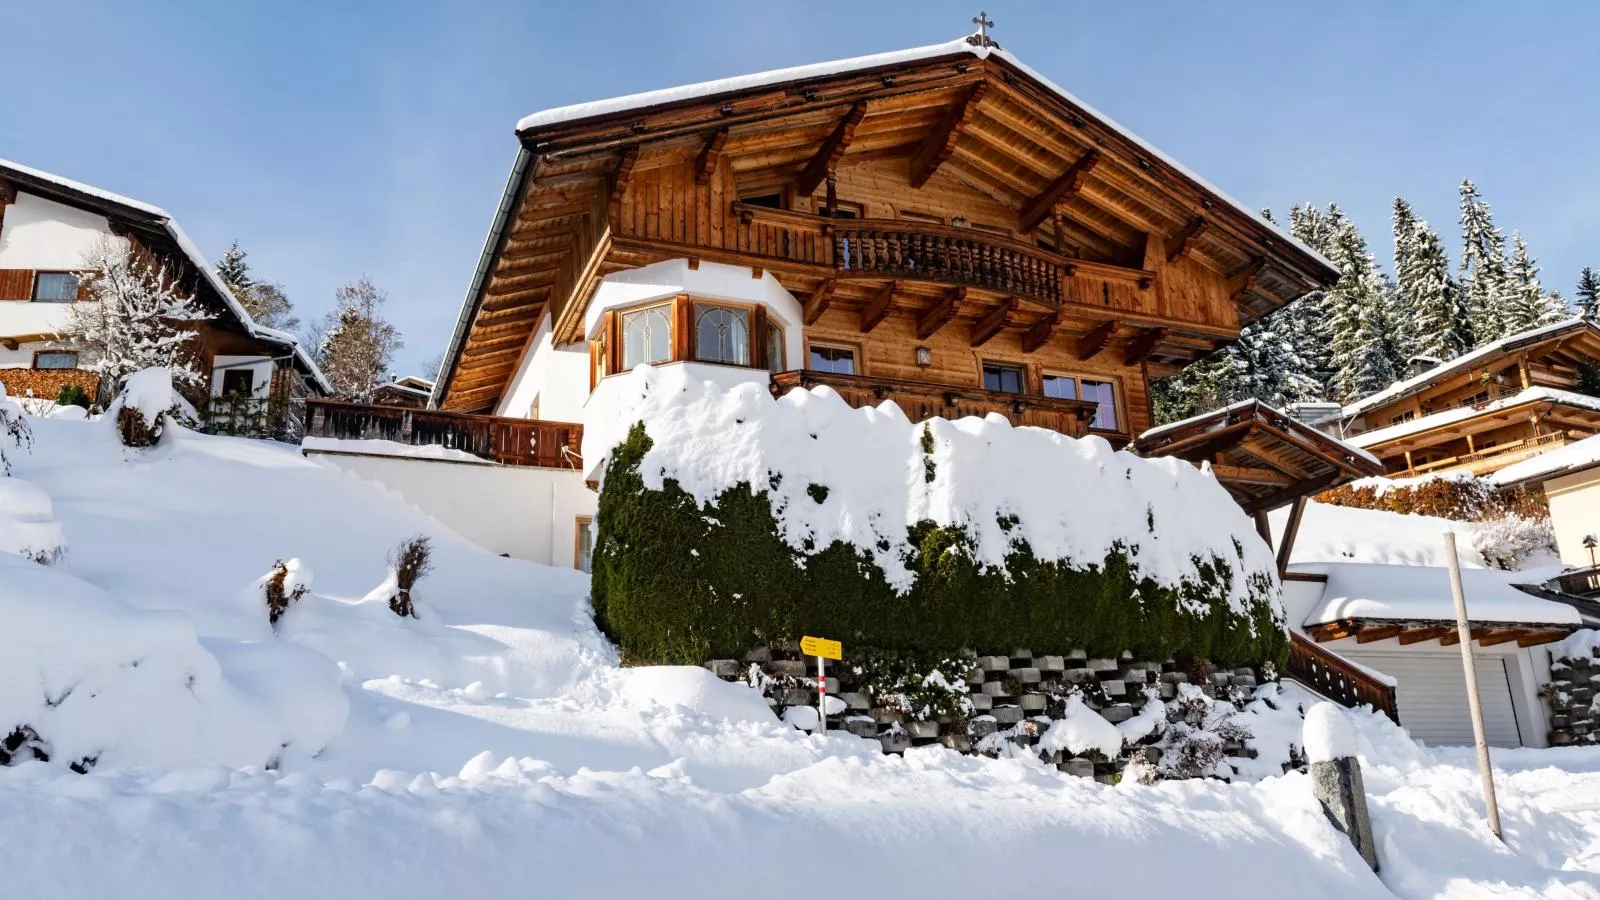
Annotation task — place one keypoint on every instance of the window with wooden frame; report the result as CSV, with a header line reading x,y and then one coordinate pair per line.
x,y
770,200
721,334
55,359
1003,378
1099,391
55,287
845,209
687,329
834,359
645,335
583,543
911,215
772,339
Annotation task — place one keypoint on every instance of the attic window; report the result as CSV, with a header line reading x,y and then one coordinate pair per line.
x,y
770,201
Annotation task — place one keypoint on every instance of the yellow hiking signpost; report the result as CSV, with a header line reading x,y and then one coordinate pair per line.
x,y
822,649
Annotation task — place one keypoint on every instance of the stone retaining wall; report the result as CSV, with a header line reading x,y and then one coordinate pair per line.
x,y
1012,700
1570,696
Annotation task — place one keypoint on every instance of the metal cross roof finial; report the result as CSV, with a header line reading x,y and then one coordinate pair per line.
x,y
984,23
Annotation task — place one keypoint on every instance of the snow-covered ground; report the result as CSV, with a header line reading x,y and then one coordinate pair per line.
x,y
493,747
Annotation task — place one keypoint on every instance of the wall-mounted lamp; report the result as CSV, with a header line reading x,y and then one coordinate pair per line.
x,y
924,357
959,222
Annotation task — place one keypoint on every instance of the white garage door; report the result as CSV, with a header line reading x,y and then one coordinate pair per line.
x,y
1433,696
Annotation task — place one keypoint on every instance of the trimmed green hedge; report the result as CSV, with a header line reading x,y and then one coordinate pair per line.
x,y
675,583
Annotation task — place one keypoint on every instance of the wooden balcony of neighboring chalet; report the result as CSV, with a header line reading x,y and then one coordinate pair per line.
x,y
902,249
1492,459
508,441
921,400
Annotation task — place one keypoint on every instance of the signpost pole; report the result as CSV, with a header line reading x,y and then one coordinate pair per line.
x,y
822,697
1464,632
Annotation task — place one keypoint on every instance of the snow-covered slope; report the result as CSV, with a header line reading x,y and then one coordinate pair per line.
x,y
493,748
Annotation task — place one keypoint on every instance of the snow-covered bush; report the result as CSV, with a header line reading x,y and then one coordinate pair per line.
x,y
408,563
146,405
924,686
1200,732
1459,496
729,519
13,430
1509,541
283,587
27,524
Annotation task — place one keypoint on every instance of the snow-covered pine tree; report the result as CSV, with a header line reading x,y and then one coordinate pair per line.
x,y
1439,326
1588,293
1362,350
265,301
356,343
1485,280
1530,306
133,319
234,270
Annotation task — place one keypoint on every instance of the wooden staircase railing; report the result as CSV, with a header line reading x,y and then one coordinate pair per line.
x,y
512,442
1338,679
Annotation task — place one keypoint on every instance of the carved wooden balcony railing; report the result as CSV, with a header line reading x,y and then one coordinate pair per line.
x,y
1338,679
1497,456
896,248
921,400
512,442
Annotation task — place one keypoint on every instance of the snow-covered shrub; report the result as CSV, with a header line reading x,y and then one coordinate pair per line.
x,y
408,563
27,525
146,405
284,586
73,395
13,429
924,686
1511,540
1199,734
1459,496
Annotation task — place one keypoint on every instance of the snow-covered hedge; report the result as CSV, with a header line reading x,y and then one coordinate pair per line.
x,y
728,518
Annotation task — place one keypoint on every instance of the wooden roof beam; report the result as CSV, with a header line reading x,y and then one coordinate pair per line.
x,y
940,313
1092,343
1243,280
1058,192
877,309
1039,334
706,162
619,182
1180,244
1273,458
826,159
1378,633
990,325
1142,346
942,142
818,302
1250,475
1419,635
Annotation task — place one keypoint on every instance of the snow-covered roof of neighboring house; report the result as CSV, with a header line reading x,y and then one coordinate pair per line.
x,y
969,45
1465,362
403,388
1422,594
1462,413
1575,457
1222,416
192,252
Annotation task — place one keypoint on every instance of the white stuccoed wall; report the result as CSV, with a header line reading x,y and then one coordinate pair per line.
x,y
557,376
41,234
525,513
260,373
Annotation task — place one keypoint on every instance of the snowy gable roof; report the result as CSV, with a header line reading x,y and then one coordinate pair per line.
x,y
965,45
1466,361
1584,454
1421,594
1462,413
65,189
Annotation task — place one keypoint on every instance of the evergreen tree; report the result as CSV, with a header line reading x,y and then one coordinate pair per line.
x,y
1362,353
1588,293
133,319
1485,281
356,344
235,271
265,301
1439,326
1529,307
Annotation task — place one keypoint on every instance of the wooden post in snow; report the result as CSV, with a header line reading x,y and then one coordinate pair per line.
x,y
1469,666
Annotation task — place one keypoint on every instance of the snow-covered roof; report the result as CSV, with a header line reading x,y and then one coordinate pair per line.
x,y
1561,461
1422,594
1462,413
1462,363
1221,416
196,259
577,111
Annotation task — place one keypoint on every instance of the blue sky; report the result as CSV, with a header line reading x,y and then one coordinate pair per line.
x,y
336,139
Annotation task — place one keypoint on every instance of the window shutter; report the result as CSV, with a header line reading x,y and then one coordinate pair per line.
x,y
758,339
16,284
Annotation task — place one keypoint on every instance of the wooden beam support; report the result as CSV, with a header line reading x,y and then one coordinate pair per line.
x,y
1378,633
942,142
1142,346
619,184
1039,334
818,302
877,309
1092,343
1291,530
827,156
1180,244
989,326
1419,635
940,313
1264,528
1058,192
706,163
1250,475
1491,636
1243,280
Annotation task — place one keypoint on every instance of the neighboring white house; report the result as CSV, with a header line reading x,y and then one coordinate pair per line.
x,y
49,224
1570,478
1399,621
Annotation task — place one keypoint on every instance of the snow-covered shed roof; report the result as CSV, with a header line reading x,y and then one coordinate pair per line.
x,y
1584,454
1414,603
1466,361
1263,456
76,193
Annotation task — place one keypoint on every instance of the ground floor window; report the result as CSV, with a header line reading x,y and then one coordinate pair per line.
x,y
1002,378
1100,392
832,360
55,359
238,383
583,544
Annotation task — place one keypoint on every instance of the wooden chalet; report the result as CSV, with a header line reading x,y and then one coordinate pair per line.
x,y
1504,402
957,233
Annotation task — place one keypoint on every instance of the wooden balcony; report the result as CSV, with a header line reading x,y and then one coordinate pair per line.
x,y
900,249
1491,459
511,442
921,400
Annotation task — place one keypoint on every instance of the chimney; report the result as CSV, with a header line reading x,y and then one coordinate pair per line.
x,y
1416,365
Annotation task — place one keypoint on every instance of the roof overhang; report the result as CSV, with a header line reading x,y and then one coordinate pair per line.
x,y
1439,631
